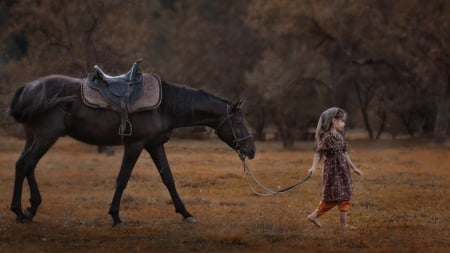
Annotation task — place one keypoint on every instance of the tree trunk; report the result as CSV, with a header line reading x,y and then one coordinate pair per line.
x,y
382,124
259,125
286,134
363,99
108,150
443,113
288,139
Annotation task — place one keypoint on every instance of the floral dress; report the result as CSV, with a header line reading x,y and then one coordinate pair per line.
x,y
337,182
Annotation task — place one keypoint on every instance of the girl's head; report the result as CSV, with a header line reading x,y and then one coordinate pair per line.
x,y
332,118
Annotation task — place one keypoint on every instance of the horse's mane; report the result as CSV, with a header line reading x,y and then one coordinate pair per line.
x,y
181,98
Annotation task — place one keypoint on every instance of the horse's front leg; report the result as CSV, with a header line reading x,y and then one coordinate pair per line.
x,y
130,156
159,157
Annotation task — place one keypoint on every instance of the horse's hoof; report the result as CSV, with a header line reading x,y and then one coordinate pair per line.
x,y
117,224
28,216
190,220
25,218
20,220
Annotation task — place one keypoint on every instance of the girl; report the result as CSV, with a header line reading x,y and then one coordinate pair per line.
x,y
337,183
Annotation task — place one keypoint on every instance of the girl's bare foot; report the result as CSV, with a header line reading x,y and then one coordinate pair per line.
x,y
349,227
314,220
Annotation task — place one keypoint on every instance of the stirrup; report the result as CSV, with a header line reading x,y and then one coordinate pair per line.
x,y
126,124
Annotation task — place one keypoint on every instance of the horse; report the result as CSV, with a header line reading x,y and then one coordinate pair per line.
x,y
51,107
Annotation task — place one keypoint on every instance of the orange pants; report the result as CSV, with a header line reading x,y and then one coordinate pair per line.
x,y
324,206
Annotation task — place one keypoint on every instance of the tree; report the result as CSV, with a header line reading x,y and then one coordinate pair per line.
x,y
290,92
386,60
69,37
204,44
407,37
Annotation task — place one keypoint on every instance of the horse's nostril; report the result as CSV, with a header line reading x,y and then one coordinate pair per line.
x,y
251,153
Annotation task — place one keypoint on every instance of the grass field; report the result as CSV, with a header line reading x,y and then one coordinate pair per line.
x,y
402,204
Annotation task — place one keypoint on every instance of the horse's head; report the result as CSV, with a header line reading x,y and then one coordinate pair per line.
x,y
232,131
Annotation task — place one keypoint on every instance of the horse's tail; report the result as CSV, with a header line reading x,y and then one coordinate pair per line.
x,y
34,99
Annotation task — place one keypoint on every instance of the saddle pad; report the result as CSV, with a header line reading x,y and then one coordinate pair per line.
x,y
149,98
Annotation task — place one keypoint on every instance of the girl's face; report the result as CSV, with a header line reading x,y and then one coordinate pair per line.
x,y
339,124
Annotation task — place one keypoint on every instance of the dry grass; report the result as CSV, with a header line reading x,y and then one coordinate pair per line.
x,y
401,205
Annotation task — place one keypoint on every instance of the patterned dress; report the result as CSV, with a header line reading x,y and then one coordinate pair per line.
x,y
337,182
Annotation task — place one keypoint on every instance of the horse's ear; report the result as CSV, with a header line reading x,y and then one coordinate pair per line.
x,y
238,104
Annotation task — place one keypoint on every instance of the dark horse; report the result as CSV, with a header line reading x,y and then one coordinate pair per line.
x,y
51,107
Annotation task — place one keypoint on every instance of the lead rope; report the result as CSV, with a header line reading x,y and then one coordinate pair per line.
x,y
269,192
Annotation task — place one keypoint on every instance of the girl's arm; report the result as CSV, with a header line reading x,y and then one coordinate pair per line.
x,y
352,165
316,160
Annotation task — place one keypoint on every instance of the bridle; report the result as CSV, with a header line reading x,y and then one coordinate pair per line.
x,y
236,140
237,147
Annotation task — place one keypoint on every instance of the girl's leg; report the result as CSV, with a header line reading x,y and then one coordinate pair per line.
x,y
313,218
344,207
324,206
343,218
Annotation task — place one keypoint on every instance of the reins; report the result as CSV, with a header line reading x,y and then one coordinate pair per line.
x,y
247,171
268,191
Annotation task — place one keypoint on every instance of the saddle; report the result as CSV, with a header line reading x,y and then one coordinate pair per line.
x,y
126,93
120,90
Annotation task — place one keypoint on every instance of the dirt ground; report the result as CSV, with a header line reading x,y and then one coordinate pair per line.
x,y
401,204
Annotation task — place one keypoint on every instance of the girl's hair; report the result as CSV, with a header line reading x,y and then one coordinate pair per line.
x,y
326,121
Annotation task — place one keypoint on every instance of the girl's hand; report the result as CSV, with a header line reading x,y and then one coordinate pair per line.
x,y
311,170
358,172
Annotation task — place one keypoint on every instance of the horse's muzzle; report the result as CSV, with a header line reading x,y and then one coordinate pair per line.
x,y
246,153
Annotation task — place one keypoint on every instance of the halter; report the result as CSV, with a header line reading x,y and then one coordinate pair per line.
x,y
247,171
236,140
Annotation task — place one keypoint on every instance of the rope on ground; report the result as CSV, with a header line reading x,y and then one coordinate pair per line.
x,y
268,191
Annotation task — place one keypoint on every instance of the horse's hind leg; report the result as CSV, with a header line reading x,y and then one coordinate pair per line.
x,y
16,204
35,148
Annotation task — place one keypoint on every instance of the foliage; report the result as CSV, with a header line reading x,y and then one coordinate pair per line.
x,y
292,98
386,62
362,41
